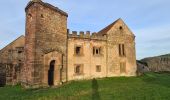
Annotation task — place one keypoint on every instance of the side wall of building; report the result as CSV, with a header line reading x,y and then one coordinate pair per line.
x,y
118,35
11,61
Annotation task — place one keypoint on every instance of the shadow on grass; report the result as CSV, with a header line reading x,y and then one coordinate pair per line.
x,y
95,93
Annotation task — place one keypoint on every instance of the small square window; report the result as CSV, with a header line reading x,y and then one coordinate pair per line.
x,y
78,69
98,68
78,51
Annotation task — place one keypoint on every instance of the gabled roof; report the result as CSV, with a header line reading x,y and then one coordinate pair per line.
x,y
46,5
22,36
107,28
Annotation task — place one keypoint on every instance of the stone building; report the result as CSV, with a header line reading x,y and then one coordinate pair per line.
x,y
54,55
11,60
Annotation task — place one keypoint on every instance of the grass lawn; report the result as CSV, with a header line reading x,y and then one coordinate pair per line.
x,y
151,86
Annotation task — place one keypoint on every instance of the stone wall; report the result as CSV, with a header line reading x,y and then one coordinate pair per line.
x,y
2,75
87,59
46,31
118,33
11,60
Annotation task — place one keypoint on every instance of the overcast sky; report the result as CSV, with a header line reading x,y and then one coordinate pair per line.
x,y
148,19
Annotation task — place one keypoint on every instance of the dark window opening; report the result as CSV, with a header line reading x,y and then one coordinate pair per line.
x,y
96,51
77,70
19,51
120,28
42,16
78,50
122,50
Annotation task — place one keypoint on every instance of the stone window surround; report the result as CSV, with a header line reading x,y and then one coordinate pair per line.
x,y
81,66
122,50
95,49
81,50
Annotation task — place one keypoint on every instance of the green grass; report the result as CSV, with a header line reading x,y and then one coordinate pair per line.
x,y
151,86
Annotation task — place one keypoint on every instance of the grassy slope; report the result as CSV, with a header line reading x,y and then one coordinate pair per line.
x,y
151,86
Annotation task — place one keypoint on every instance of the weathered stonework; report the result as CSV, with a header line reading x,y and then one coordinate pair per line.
x,y
53,55
11,61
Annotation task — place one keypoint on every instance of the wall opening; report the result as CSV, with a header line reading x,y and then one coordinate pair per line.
x,y
51,73
78,50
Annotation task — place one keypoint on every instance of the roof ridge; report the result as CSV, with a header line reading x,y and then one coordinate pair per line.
x,y
47,5
109,26
12,42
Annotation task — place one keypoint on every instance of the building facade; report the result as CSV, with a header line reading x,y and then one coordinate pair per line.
x,y
53,54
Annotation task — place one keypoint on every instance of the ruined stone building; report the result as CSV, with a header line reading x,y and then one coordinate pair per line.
x,y
54,55
11,60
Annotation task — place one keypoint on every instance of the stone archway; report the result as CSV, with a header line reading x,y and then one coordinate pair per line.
x,y
52,68
51,73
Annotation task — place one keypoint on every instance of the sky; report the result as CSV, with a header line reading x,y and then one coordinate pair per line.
x,y
148,19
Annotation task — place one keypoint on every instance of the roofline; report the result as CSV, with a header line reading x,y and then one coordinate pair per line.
x,y
47,5
100,32
12,42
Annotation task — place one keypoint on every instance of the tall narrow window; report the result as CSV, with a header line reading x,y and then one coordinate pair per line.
x,y
77,70
122,67
122,50
120,53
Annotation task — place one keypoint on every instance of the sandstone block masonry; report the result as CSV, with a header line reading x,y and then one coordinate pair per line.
x,y
54,55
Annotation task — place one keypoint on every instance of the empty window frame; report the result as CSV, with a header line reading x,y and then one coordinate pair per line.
x,y
78,50
96,50
78,69
122,50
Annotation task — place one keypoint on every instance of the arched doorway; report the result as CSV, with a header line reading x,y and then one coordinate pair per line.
x,y
51,73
